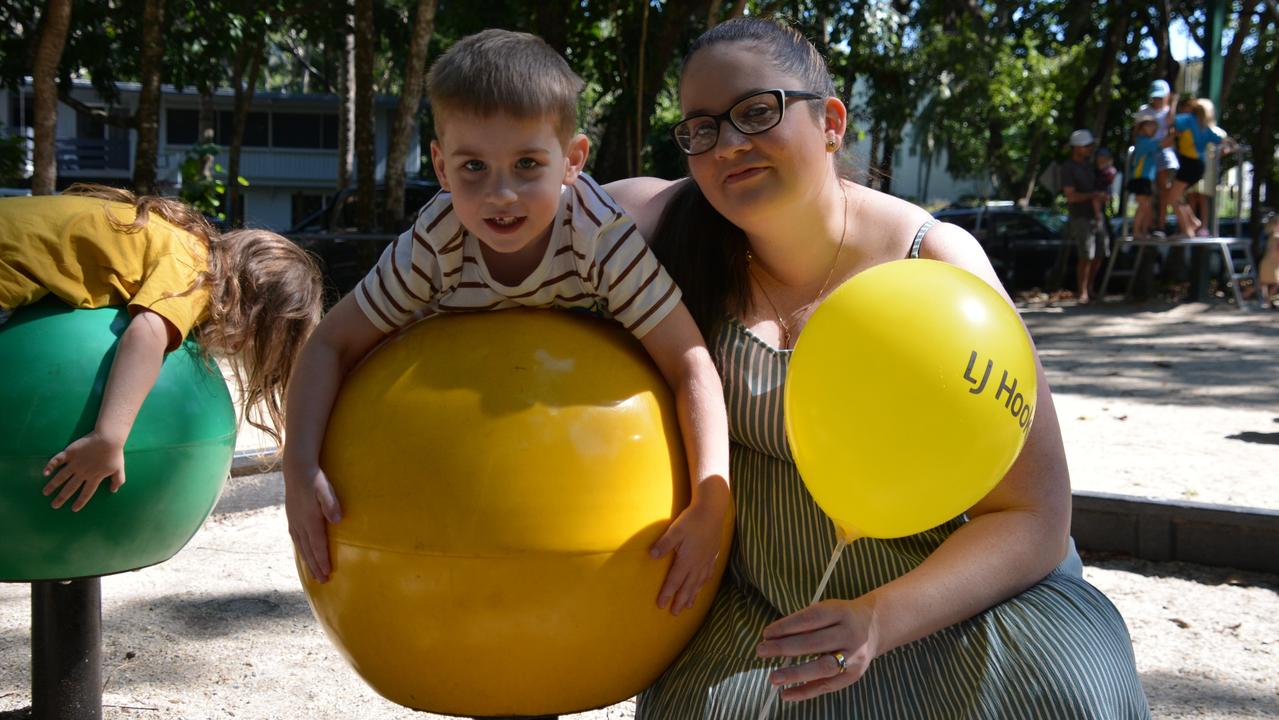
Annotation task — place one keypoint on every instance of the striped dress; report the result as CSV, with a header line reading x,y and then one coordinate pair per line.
x,y
1058,650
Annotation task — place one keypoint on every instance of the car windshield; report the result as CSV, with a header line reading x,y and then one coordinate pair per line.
x,y
1052,220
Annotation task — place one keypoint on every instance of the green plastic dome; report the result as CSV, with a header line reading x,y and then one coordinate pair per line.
x,y
54,362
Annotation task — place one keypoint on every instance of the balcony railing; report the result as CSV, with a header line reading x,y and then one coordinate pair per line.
x,y
77,154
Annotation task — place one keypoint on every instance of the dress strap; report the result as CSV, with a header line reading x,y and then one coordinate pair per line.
x,y
919,238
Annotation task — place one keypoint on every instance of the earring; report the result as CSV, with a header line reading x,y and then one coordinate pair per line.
x,y
831,145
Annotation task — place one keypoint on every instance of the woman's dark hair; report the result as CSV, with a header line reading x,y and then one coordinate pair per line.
x,y
704,252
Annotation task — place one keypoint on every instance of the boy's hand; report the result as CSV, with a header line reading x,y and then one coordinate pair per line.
x,y
309,501
82,466
694,537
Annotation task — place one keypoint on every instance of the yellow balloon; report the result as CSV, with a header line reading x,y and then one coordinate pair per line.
x,y
502,477
909,395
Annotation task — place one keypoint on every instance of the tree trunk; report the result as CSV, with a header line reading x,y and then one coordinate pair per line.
x,y
1114,38
1032,165
48,55
671,24
1263,154
1105,68
244,80
365,158
406,115
1235,53
346,110
148,113
1163,55
886,162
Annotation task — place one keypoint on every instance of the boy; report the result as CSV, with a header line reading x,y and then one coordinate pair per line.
x,y
1162,102
517,224
1142,164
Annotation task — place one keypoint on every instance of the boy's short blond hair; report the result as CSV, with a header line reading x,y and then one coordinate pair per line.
x,y
496,72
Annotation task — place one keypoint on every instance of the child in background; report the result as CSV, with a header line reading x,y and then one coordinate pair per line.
x,y
1104,162
1161,104
1196,130
251,296
1268,271
517,224
1143,164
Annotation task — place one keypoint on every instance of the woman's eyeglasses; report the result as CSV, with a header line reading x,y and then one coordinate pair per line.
x,y
751,115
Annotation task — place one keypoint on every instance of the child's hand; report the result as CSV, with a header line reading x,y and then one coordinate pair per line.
x,y
309,500
82,466
694,537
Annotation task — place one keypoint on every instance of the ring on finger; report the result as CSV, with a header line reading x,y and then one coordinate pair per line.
x,y
841,661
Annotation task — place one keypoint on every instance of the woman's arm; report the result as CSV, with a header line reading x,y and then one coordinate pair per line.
x,y
1014,537
85,463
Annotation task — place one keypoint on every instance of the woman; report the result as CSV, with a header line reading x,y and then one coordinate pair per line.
x,y
985,616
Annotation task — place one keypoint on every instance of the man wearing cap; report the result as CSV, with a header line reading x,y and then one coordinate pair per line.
x,y
1161,105
1083,228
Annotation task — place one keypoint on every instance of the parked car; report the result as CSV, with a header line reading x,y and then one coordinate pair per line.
x,y
1023,244
346,254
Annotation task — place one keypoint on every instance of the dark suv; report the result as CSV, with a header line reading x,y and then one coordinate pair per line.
x,y
1023,244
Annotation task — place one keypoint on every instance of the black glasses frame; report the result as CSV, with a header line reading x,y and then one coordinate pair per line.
x,y
781,95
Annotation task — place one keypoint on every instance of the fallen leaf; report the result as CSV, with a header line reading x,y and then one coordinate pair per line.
x,y
1179,623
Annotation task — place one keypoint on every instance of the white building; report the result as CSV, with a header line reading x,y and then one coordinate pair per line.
x,y
289,154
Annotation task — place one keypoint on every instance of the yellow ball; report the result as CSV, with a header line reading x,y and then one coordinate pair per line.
x,y
502,477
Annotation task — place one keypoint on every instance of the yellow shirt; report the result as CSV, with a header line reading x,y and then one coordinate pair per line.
x,y
67,246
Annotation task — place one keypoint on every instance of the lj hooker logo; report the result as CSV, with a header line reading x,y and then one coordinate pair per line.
x,y
1016,403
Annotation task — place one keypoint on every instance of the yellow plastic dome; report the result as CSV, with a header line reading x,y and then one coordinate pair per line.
x,y
502,477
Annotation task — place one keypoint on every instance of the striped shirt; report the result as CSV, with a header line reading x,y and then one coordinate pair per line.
x,y
596,260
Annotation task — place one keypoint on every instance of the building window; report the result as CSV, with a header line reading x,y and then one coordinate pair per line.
x,y
22,111
304,130
182,127
255,129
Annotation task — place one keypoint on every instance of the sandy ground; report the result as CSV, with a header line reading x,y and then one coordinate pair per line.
x,y
1177,403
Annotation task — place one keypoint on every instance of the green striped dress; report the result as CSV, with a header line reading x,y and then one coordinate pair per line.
x,y
1058,650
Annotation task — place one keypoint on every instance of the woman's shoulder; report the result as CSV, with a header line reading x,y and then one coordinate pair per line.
x,y
891,220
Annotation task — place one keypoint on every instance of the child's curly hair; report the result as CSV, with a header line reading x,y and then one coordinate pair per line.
x,y
265,296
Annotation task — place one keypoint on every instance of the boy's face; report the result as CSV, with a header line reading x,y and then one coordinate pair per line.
x,y
505,174
1104,161
1147,128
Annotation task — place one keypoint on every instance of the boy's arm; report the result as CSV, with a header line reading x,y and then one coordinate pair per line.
x,y
85,463
677,348
339,342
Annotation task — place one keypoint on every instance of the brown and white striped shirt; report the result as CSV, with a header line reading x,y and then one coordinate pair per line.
x,y
596,260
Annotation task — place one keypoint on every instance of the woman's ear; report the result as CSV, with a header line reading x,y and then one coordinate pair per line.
x,y
834,121
575,154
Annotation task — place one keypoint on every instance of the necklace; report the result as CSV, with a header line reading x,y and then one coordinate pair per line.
x,y
781,322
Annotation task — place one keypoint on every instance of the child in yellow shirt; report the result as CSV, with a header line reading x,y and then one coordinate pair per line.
x,y
250,295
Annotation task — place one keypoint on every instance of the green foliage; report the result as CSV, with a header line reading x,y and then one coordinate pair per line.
x,y
13,159
202,188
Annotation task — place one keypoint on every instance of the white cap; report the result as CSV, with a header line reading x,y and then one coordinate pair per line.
x,y
1080,138
1159,89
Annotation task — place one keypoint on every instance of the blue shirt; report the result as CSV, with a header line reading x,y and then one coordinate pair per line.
x,y
1144,153
1192,138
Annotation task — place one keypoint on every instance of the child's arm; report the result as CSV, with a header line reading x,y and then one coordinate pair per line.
x,y
680,353
85,463
339,342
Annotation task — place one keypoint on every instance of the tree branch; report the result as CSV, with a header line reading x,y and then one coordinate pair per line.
x,y
103,114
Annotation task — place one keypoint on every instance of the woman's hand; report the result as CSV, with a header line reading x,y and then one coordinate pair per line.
x,y
822,630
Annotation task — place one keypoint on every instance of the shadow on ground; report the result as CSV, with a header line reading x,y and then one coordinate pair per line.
x,y
1202,574
1257,437
1184,355
1173,694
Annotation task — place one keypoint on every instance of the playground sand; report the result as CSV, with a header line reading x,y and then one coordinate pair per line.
x,y
1177,403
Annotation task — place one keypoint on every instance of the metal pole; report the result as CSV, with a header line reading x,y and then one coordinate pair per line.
x,y
66,649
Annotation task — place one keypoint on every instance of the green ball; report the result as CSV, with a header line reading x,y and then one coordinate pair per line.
x,y
54,362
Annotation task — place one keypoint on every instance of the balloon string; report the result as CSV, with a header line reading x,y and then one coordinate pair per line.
x,y
776,691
